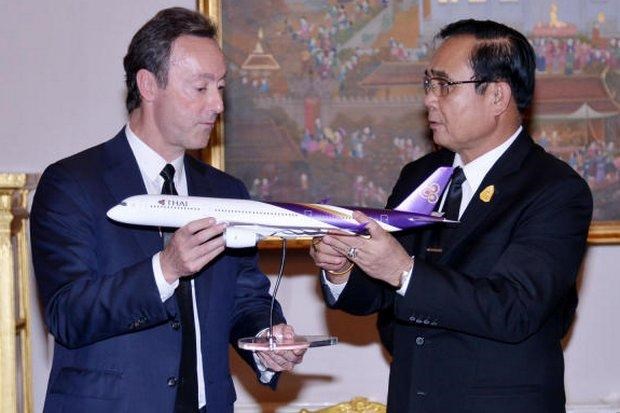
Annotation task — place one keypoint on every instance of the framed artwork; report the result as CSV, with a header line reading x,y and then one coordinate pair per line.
x,y
323,97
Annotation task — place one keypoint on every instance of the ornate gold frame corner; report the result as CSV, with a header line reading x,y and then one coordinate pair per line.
x,y
357,404
15,352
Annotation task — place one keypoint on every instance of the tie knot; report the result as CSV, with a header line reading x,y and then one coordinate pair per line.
x,y
458,176
452,203
168,173
168,187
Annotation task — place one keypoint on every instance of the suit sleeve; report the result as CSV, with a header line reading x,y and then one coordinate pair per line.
x,y
524,285
83,304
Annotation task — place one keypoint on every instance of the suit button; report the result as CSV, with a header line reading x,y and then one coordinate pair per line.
x,y
175,324
172,381
419,341
420,393
412,319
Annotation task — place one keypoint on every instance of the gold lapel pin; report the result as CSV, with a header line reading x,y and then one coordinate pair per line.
x,y
487,193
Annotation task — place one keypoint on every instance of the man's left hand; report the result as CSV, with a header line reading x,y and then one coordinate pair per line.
x,y
281,360
380,256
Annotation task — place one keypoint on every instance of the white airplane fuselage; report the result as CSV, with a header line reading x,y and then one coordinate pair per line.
x,y
177,211
248,221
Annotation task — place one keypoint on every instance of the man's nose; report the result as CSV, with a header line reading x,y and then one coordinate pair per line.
x,y
216,101
430,100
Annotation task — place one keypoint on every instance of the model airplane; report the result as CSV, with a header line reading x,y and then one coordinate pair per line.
x,y
250,221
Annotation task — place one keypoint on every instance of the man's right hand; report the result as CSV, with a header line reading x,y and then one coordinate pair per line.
x,y
334,262
191,248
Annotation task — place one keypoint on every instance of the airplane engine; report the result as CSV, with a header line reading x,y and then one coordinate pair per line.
x,y
240,238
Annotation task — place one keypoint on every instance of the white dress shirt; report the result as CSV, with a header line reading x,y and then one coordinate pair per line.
x,y
151,164
474,171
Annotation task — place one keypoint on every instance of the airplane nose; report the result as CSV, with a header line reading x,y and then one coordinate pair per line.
x,y
115,213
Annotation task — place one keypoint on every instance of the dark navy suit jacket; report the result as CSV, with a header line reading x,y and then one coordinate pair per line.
x,y
117,346
480,325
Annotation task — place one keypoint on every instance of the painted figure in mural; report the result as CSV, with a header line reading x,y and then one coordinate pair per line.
x,y
473,313
142,319
553,17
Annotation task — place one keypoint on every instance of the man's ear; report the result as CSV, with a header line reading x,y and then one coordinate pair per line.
x,y
500,95
147,85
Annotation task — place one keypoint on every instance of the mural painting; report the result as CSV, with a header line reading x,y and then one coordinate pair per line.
x,y
324,97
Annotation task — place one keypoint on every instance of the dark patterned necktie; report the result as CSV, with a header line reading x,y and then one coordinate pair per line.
x,y
452,204
187,391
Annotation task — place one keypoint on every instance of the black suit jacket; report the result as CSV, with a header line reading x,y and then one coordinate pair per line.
x,y
117,346
480,325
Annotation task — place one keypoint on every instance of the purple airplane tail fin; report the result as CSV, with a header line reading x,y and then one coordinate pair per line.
x,y
425,196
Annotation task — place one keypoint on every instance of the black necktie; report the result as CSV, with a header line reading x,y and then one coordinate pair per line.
x,y
187,392
168,187
452,204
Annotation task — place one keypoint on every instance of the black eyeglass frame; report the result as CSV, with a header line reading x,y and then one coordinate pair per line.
x,y
444,85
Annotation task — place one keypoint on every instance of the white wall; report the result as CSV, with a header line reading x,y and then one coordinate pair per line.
x,y
61,75
62,90
592,354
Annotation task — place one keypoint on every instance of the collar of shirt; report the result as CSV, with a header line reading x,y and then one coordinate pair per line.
x,y
151,164
476,170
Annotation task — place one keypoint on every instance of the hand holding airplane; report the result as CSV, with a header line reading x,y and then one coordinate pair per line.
x,y
248,221
191,248
380,256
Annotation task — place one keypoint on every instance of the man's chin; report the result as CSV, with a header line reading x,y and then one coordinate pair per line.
x,y
441,141
437,138
198,142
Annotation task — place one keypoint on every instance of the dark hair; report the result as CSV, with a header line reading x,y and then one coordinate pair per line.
x,y
150,46
501,53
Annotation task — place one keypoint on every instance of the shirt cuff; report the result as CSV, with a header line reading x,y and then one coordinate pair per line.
x,y
265,375
334,289
166,290
405,282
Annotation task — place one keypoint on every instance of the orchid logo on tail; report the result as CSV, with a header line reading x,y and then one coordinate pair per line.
x,y
431,193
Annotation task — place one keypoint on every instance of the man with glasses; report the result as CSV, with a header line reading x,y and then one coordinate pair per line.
x,y
474,312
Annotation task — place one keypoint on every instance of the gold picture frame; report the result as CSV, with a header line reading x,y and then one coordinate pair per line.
x,y
601,232
214,153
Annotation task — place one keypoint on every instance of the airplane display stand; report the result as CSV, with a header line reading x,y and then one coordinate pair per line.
x,y
270,342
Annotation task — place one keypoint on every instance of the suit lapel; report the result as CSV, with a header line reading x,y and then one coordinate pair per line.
x,y
478,209
198,182
122,178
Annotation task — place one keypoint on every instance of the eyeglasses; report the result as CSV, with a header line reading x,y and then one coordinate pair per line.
x,y
441,87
